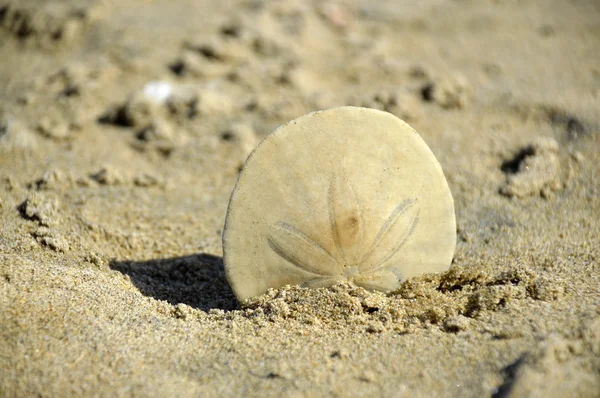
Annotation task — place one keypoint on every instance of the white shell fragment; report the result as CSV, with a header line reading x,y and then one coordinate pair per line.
x,y
346,194
159,92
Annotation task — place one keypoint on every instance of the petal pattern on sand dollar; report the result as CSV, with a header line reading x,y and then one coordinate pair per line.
x,y
345,219
382,280
300,250
321,282
392,236
348,262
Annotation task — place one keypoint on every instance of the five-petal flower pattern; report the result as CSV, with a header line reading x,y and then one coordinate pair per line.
x,y
351,259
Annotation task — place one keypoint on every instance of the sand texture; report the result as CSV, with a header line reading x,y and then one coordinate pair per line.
x,y
123,128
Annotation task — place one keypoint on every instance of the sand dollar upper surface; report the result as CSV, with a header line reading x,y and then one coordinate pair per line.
x,y
346,194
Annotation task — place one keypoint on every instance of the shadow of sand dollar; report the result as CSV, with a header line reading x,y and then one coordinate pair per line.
x,y
198,280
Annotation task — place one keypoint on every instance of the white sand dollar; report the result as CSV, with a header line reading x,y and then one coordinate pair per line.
x,y
345,194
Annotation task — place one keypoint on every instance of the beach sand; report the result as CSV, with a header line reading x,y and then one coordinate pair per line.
x,y
124,124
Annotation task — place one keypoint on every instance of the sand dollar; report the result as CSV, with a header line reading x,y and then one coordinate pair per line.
x,y
345,194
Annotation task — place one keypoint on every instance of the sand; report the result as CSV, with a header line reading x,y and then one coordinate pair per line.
x,y
123,125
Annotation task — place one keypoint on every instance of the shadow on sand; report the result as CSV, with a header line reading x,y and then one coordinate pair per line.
x,y
197,280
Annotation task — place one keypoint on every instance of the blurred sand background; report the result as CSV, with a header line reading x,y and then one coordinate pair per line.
x,y
123,125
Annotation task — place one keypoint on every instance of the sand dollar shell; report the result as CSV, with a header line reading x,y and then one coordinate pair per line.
x,y
346,194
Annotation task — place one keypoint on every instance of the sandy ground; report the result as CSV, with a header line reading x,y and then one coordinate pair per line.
x,y
123,125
